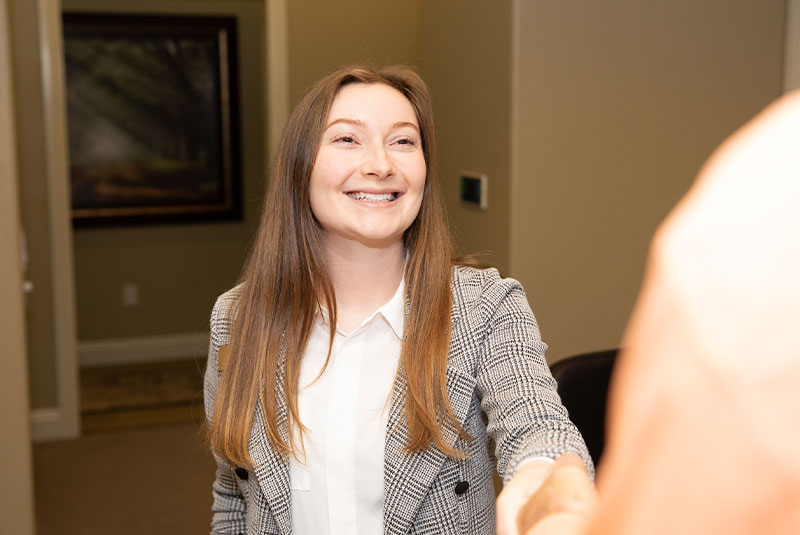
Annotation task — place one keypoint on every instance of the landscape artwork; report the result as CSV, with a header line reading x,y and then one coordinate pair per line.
x,y
152,118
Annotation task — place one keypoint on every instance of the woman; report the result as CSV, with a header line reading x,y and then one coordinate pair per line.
x,y
348,372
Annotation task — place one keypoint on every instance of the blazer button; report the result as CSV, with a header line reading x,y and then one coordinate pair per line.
x,y
461,487
242,473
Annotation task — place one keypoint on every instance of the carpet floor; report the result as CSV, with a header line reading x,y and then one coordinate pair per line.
x,y
154,481
140,467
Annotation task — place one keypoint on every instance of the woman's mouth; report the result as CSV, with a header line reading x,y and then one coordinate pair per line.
x,y
373,197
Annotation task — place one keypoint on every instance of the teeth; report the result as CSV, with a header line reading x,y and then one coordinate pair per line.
x,y
373,197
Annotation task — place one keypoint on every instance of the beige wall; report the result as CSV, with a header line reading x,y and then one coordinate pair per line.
x,y
179,269
618,105
325,35
16,491
466,60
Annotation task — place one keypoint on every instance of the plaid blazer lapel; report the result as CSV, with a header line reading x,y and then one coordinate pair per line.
x,y
408,476
271,468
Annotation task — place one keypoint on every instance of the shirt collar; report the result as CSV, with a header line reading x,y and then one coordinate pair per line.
x,y
393,311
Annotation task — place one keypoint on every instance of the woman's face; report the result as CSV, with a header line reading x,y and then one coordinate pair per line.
x,y
368,179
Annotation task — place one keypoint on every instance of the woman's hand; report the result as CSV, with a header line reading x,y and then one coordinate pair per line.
x,y
547,499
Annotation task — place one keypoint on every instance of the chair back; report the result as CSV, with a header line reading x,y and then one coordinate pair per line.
x,y
583,386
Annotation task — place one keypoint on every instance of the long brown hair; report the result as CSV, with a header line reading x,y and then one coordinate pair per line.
x,y
285,281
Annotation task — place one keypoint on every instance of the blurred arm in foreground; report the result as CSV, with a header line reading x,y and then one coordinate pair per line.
x,y
704,413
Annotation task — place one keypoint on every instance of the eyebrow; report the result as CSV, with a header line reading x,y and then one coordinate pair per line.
x,y
356,122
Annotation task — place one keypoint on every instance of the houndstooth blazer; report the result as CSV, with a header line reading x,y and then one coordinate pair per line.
x,y
496,366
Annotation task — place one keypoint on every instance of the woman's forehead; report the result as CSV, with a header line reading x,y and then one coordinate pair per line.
x,y
371,103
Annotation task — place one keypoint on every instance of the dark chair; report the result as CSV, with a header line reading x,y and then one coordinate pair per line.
x,y
583,386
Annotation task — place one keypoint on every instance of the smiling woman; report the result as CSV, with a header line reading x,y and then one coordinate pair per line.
x,y
349,369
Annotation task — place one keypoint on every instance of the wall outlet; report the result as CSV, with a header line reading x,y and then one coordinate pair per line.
x,y
130,295
475,189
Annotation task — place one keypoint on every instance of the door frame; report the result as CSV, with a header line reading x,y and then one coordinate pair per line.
x,y
63,420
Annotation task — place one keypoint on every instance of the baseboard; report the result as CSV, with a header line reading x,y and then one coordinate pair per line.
x,y
52,424
114,351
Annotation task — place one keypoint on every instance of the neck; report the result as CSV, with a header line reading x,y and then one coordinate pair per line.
x,y
364,278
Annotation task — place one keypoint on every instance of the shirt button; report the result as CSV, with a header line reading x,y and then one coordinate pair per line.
x,y
242,473
461,487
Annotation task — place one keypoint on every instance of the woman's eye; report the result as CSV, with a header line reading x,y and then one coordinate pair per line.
x,y
405,141
345,139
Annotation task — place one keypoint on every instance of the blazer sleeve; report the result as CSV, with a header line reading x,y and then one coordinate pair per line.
x,y
229,510
525,415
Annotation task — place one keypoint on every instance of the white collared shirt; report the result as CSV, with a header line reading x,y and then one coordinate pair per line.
x,y
338,488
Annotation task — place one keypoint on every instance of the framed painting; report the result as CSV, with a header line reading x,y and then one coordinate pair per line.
x,y
153,118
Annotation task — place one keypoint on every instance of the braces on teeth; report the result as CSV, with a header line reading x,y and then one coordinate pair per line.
x,y
374,197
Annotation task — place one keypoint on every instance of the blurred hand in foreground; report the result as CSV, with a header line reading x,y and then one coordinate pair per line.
x,y
564,502
547,498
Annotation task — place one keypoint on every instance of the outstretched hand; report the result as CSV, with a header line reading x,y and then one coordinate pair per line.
x,y
547,499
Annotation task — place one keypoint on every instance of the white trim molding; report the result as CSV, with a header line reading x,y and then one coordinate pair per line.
x,y
114,351
49,424
63,421
791,55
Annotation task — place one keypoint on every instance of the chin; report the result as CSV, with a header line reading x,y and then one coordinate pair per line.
x,y
378,233
380,240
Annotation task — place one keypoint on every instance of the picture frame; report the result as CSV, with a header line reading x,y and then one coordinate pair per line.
x,y
153,118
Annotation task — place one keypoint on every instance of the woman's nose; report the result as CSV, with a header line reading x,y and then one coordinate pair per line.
x,y
377,163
